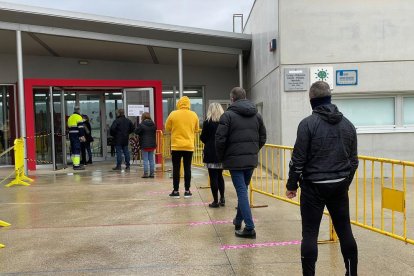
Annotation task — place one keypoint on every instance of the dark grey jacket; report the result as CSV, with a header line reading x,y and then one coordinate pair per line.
x,y
325,148
146,132
240,136
120,130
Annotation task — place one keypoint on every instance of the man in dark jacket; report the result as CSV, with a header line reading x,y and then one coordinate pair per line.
x,y
324,162
239,137
120,130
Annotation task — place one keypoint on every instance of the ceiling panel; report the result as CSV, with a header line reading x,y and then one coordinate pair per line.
x,y
197,58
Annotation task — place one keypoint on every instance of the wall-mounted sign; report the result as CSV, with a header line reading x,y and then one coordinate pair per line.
x,y
135,110
346,77
296,79
322,74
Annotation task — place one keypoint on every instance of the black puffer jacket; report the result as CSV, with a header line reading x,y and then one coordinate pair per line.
x,y
325,148
120,130
240,135
208,137
146,132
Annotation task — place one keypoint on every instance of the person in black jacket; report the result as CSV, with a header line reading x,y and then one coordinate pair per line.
x,y
120,130
239,137
215,168
86,145
146,131
324,162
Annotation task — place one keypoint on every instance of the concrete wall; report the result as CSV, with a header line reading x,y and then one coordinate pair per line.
x,y
263,65
218,81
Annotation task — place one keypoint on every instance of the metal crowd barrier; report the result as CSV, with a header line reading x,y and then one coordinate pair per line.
x,y
378,194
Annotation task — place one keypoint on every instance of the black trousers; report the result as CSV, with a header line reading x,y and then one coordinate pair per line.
x,y
216,183
314,198
176,160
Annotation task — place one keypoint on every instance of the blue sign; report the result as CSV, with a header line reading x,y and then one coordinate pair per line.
x,y
346,77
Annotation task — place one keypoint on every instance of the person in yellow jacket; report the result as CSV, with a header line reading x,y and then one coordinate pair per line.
x,y
76,136
183,125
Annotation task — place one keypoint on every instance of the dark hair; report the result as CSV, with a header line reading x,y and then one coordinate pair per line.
x,y
146,116
319,89
121,112
85,117
237,93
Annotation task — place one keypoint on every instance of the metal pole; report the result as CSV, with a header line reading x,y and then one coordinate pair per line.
x,y
52,127
63,126
180,71
241,70
22,112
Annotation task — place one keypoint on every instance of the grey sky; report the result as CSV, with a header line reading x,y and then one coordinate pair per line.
x,y
209,14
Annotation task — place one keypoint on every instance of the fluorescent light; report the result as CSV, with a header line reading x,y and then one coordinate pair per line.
x,y
83,62
167,92
116,94
191,92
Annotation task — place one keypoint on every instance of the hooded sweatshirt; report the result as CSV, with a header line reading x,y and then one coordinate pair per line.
x,y
183,124
325,148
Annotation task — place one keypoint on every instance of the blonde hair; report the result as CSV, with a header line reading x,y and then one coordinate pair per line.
x,y
214,112
146,116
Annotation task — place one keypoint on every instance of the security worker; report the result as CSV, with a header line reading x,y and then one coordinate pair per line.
x,y
76,136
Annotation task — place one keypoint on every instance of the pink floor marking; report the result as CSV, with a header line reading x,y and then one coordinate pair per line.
x,y
197,223
187,204
256,245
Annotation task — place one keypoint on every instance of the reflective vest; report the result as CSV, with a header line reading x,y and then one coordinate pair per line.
x,y
75,124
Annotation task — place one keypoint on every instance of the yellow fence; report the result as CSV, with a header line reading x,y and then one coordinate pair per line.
x,y
378,195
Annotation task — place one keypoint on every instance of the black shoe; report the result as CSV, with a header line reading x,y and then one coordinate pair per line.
x,y
214,205
236,226
247,234
187,194
78,168
151,175
89,161
127,168
117,169
222,201
145,176
175,194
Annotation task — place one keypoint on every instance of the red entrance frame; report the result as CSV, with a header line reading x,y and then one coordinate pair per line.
x,y
29,84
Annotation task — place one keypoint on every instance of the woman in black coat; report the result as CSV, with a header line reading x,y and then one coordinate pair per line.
x,y
146,131
215,168
86,145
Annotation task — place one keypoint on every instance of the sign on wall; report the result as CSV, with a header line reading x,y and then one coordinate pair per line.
x,y
346,77
322,74
296,79
135,110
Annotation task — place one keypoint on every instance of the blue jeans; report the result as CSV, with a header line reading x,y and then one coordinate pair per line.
x,y
241,181
148,160
119,150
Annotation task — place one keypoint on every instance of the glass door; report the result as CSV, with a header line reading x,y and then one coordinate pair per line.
x,y
113,102
58,129
138,101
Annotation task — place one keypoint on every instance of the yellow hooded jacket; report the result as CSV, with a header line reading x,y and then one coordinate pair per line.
x,y
183,124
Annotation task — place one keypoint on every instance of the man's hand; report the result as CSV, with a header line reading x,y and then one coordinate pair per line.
x,y
82,139
290,194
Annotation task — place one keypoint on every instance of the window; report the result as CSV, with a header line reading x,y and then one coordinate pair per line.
x,y
408,113
369,111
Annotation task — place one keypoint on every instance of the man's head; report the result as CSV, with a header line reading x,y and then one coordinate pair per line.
x,y
76,109
319,94
121,112
237,93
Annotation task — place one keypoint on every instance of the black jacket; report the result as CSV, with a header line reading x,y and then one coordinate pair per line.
x,y
120,130
146,131
208,137
240,136
325,148
88,132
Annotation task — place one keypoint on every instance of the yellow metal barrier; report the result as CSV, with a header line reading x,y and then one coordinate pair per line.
x,y
379,190
159,151
19,165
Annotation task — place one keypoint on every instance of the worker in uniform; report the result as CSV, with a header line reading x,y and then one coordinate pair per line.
x,y
76,136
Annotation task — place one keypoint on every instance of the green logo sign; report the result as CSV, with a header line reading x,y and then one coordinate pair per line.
x,y
322,74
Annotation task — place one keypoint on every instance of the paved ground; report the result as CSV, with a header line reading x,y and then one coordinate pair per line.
x,y
100,222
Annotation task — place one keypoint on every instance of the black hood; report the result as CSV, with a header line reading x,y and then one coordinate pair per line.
x,y
149,123
243,107
329,113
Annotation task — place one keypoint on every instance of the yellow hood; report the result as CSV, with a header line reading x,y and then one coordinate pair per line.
x,y
184,103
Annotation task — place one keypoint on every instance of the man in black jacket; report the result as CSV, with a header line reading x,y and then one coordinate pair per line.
x,y
120,130
324,162
239,137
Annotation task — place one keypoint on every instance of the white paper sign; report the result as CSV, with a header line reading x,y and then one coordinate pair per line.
x,y
146,109
322,74
135,110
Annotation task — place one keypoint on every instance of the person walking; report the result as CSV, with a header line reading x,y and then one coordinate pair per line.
x,y
76,136
215,168
183,125
86,146
120,130
146,131
240,136
324,162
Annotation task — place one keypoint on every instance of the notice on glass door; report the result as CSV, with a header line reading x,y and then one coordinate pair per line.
x,y
135,110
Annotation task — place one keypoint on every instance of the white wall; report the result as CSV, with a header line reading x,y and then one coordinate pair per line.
x,y
263,65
